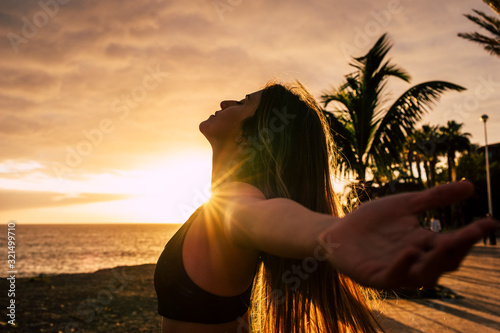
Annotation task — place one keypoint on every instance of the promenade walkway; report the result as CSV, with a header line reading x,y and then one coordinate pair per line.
x,y
123,300
476,309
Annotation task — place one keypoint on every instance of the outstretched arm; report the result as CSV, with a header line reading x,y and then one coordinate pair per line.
x,y
277,226
381,244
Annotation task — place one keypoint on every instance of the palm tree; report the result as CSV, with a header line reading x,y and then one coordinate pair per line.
x,y
456,142
367,131
490,23
413,154
428,143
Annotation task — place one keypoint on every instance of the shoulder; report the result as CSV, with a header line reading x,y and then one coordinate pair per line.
x,y
236,191
232,198
234,203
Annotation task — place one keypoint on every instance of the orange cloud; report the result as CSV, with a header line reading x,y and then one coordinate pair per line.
x,y
14,200
74,98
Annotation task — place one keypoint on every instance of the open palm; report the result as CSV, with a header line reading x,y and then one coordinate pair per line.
x,y
382,245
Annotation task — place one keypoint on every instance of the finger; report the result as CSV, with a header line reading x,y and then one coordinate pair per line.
x,y
486,225
413,203
454,256
438,196
463,240
449,250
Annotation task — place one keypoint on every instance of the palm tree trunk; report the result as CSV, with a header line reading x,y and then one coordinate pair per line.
x,y
452,173
410,168
427,168
433,171
421,172
417,166
360,168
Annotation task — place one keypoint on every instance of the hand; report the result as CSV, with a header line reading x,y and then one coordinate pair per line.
x,y
382,245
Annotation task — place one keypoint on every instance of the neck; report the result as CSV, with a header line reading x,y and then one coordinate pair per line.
x,y
223,163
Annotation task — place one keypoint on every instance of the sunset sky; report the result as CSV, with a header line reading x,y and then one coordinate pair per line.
x,y
100,101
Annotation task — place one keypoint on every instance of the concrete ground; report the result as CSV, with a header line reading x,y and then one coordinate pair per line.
x,y
476,309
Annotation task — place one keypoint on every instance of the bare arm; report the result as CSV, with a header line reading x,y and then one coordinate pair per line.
x,y
379,245
278,226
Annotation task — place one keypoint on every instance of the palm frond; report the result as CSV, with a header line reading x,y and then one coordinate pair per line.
x,y
389,69
494,5
485,21
367,134
408,109
343,139
491,45
370,62
343,97
491,24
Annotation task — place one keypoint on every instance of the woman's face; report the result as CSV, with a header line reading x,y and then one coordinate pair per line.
x,y
225,125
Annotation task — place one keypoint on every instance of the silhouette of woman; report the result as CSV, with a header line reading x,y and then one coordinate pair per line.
x,y
273,239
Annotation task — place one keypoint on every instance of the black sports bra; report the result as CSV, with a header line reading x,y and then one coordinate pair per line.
x,y
181,299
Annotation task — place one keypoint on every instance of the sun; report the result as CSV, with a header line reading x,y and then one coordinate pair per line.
x,y
167,192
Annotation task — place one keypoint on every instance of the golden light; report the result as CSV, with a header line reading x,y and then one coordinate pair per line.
x,y
165,192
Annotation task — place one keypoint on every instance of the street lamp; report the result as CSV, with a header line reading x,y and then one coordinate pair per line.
x,y
484,118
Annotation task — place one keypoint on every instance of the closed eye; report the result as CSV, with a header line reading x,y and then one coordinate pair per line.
x,y
243,100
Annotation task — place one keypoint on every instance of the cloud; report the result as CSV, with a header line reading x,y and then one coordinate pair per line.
x,y
14,200
90,57
74,109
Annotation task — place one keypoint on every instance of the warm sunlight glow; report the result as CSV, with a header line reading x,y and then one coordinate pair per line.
x,y
168,192
165,192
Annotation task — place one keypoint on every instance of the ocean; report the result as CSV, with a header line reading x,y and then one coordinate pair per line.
x,y
82,248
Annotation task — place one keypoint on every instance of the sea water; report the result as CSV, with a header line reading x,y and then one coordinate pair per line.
x,y
82,248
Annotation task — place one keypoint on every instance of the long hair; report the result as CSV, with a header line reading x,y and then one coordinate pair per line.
x,y
288,152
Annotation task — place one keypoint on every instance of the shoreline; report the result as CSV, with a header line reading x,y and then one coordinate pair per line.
x,y
48,275
123,299
119,299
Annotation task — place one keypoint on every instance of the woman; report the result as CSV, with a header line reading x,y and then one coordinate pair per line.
x,y
272,238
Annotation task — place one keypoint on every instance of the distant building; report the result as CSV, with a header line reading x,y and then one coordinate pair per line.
x,y
493,151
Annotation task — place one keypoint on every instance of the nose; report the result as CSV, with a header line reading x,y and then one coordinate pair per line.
x,y
225,104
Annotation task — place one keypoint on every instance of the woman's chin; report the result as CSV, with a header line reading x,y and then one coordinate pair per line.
x,y
204,128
